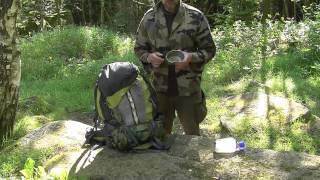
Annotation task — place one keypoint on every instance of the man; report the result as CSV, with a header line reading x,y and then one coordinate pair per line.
x,y
173,25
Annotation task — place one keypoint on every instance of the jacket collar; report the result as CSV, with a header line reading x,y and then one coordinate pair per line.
x,y
161,20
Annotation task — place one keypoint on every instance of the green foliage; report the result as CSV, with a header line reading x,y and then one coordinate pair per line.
x,y
51,92
60,68
50,52
277,135
281,58
24,124
226,12
238,49
31,172
242,49
243,10
314,38
35,105
14,159
292,74
125,15
28,170
38,15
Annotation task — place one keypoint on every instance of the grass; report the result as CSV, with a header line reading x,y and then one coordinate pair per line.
x,y
59,69
14,159
66,66
290,73
286,75
292,77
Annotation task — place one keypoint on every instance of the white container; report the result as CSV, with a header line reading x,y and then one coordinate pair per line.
x,y
226,145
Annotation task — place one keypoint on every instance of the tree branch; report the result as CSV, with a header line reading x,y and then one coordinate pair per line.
x,y
141,3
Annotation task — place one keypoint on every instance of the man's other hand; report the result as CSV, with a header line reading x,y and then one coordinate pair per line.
x,y
184,65
156,59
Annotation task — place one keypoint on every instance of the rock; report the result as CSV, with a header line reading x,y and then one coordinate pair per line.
x,y
35,105
261,106
66,134
314,126
190,157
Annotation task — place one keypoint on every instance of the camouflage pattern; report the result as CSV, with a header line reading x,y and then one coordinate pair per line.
x,y
190,33
191,111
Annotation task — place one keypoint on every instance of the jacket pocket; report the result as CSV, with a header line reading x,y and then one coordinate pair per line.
x,y
201,111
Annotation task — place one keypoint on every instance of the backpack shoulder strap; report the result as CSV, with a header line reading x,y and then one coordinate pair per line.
x,y
151,90
102,109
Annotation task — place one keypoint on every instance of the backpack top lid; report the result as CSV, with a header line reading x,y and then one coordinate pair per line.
x,y
116,76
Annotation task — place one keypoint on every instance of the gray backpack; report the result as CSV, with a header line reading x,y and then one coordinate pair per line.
x,y
126,110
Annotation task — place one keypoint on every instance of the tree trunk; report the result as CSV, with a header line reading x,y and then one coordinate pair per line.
x,y
102,12
58,4
286,9
266,9
9,67
42,15
90,10
83,12
294,10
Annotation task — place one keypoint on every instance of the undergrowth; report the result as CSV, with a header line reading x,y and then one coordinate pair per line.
x,y
59,69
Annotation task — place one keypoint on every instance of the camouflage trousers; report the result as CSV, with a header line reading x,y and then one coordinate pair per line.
x,y
191,111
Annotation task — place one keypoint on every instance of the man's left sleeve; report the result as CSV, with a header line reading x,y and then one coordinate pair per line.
x,y
206,48
142,46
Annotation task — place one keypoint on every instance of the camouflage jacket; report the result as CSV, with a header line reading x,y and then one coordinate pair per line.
x,y
190,32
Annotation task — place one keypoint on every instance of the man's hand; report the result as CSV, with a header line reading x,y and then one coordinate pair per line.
x,y
156,59
183,65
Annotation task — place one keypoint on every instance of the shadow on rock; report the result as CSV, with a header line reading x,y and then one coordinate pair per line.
x,y
182,161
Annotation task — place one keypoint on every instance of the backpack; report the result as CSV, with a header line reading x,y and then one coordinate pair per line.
x,y
126,110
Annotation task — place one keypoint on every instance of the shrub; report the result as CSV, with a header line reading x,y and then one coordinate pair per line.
x,y
47,53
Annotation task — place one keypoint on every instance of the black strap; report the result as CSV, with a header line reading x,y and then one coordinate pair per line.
x,y
159,144
106,111
99,136
96,116
96,121
94,137
159,140
172,81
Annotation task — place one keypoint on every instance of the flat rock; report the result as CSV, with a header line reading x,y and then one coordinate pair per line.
x,y
260,106
190,157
